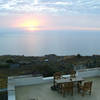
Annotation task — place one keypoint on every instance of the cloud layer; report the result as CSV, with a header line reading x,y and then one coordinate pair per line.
x,y
51,6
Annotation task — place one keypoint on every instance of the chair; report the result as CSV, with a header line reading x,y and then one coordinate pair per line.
x,y
72,74
85,88
67,87
57,76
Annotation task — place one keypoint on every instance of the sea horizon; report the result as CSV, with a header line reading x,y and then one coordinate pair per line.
x,y
44,42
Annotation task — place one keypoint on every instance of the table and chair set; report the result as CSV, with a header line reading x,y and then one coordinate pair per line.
x,y
67,84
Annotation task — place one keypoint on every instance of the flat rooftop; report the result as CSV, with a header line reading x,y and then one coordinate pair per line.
x,y
44,92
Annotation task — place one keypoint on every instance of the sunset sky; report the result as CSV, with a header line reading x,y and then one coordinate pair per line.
x,y
50,14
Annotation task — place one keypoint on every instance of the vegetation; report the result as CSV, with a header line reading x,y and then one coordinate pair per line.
x,y
3,96
4,66
79,56
9,61
46,65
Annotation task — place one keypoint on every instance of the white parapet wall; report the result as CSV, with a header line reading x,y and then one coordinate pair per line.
x,y
89,72
21,81
99,72
16,81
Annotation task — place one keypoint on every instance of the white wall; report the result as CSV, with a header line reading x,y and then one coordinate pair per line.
x,y
21,81
11,95
89,72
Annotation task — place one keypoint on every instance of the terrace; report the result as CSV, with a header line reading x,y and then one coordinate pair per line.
x,y
38,88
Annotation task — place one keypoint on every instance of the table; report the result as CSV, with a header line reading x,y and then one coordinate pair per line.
x,y
60,83
64,80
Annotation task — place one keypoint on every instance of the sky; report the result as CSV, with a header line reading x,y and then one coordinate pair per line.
x,y
50,14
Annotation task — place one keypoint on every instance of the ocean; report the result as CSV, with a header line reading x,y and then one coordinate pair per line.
x,y
40,43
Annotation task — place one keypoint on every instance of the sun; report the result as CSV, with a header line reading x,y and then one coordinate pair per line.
x,y
30,25
31,28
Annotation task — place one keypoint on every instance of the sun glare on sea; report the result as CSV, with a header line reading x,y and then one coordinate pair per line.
x,y
30,25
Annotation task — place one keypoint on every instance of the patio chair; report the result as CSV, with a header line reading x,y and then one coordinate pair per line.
x,y
57,75
87,86
67,87
72,74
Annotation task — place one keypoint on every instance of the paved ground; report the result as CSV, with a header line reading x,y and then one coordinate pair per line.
x,y
43,92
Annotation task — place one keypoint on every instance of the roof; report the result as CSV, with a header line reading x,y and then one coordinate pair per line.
x,y
44,92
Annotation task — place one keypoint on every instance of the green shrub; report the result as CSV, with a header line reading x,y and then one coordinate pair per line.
x,y
9,61
4,66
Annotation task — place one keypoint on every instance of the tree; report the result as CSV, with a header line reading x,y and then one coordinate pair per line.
x,y
9,61
79,56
